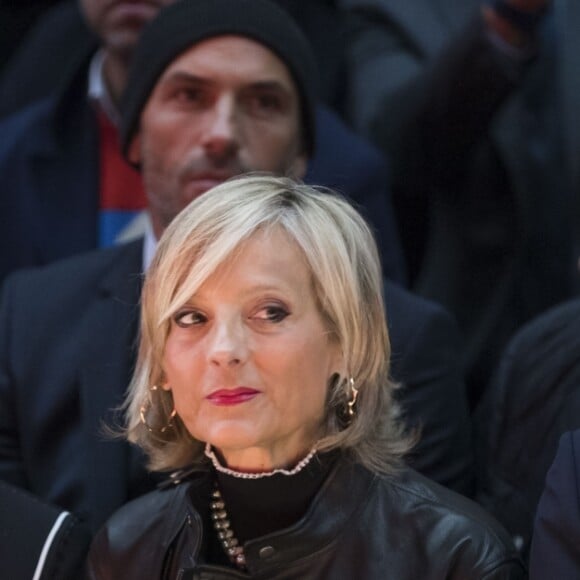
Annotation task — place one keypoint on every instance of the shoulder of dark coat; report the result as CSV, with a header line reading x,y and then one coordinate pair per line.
x,y
562,321
403,305
450,519
86,268
542,360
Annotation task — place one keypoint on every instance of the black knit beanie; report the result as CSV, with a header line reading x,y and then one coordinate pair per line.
x,y
186,22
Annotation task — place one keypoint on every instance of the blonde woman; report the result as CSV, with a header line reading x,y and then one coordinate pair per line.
x,y
263,379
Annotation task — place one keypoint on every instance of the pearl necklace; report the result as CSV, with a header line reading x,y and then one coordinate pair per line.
x,y
209,452
223,527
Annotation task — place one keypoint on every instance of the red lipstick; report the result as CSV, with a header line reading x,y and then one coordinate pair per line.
x,y
224,397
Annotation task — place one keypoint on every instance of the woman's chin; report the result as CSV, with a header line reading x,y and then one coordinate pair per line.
x,y
236,435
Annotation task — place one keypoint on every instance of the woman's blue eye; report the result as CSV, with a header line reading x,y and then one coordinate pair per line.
x,y
189,318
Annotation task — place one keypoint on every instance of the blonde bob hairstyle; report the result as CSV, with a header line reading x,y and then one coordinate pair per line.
x,y
346,279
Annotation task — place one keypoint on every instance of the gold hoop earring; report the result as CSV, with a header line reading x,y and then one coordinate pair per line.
x,y
351,402
346,408
147,406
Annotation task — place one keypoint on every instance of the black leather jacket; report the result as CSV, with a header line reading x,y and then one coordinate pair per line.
x,y
359,526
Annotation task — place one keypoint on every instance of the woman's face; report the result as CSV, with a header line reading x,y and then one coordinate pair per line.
x,y
248,358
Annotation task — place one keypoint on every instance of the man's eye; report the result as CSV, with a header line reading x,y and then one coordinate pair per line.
x,y
265,104
272,314
269,102
189,318
189,96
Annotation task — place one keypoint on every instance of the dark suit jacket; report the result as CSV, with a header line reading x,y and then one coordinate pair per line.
x,y
67,338
49,166
556,542
39,540
533,399
486,229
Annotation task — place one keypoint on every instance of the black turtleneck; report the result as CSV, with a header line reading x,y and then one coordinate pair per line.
x,y
257,507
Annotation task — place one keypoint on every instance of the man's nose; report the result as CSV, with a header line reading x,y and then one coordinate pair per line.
x,y
228,344
221,139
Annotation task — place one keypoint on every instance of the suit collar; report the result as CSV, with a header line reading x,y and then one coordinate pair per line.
x,y
73,92
64,109
62,153
122,281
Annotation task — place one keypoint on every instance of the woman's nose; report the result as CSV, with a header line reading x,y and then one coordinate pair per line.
x,y
228,345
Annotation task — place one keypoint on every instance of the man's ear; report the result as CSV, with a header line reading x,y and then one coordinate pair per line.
x,y
298,167
134,151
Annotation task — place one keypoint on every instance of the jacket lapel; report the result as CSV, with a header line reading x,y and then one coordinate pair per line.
x,y
111,334
63,176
